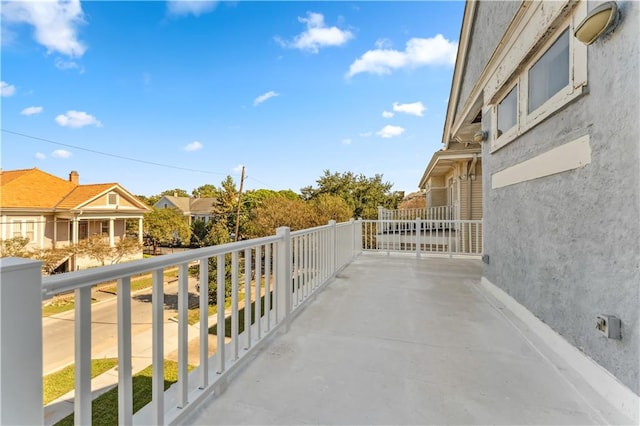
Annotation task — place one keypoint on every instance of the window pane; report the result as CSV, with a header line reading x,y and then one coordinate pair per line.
x,y
550,74
508,111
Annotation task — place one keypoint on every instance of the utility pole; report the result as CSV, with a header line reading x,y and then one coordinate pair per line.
x,y
235,235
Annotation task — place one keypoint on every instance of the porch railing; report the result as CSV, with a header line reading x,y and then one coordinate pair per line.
x,y
426,213
286,269
450,237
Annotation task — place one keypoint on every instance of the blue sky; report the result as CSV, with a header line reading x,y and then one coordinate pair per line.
x,y
287,89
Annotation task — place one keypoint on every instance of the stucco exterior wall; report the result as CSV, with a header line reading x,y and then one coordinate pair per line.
x,y
567,246
491,20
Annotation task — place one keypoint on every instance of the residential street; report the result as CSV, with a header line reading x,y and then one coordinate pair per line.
x,y
58,329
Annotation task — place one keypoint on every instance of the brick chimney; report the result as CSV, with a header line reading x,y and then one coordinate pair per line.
x,y
74,177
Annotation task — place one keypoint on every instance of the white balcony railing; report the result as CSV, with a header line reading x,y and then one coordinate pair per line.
x,y
287,269
425,213
451,237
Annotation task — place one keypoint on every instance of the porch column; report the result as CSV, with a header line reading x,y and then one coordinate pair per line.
x,y
21,342
111,228
55,231
3,229
75,230
140,230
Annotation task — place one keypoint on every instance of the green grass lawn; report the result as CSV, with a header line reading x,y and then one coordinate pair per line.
x,y
104,410
57,384
227,321
59,306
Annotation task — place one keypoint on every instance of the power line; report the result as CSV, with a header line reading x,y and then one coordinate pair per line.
x,y
123,157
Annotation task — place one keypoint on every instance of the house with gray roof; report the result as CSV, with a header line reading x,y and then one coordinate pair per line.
x,y
193,208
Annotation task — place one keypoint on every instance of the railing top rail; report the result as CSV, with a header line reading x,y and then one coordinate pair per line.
x,y
309,230
421,219
56,284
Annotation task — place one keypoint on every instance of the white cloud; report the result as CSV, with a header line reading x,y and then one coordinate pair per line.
x,y
186,7
416,108
264,97
317,35
77,119
7,89
383,43
193,146
418,52
366,134
387,114
346,141
55,23
238,168
390,131
40,156
32,110
63,65
61,153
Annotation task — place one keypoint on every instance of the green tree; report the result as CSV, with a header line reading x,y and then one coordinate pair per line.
x,y
279,211
331,207
361,193
199,231
205,191
166,226
218,234
178,192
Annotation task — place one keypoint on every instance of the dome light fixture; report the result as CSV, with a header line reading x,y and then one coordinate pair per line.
x,y
599,21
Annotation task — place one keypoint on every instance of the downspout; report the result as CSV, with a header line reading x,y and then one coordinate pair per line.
x,y
472,177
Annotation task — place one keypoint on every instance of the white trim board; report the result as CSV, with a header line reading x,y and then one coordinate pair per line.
x,y
601,380
569,156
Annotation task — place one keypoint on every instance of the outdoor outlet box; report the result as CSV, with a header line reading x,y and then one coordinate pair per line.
x,y
609,325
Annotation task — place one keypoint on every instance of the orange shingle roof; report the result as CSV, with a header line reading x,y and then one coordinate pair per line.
x,y
35,189
32,188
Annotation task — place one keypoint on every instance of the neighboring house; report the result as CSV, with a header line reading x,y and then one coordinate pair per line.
x,y
193,208
560,149
54,212
453,182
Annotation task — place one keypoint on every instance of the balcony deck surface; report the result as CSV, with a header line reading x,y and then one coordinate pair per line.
x,y
399,340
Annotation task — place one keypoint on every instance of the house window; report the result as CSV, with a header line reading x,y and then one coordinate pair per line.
x,y
104,227
25,229
508,111
542,83
29,231
112,199
550,73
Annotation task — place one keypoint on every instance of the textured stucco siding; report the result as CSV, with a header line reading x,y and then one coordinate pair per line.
x,y
491,21
567,246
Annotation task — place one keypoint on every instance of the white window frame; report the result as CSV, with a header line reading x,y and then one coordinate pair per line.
x,y
577,84
19,226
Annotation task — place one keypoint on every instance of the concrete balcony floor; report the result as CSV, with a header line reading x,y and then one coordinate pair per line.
x,y
400,340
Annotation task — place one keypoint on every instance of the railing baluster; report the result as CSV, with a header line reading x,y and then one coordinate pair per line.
x,y
234,305
125,381
258,292
157,358
82,326
221,284
267,285
204,323
247,297
183,334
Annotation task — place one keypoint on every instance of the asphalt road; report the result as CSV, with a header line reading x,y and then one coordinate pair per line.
x,y
58,330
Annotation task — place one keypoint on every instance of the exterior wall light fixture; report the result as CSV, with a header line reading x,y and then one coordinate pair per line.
x,y
601,20
480,136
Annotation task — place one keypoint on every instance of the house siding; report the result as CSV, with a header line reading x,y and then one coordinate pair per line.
x,y
490,22
567,246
